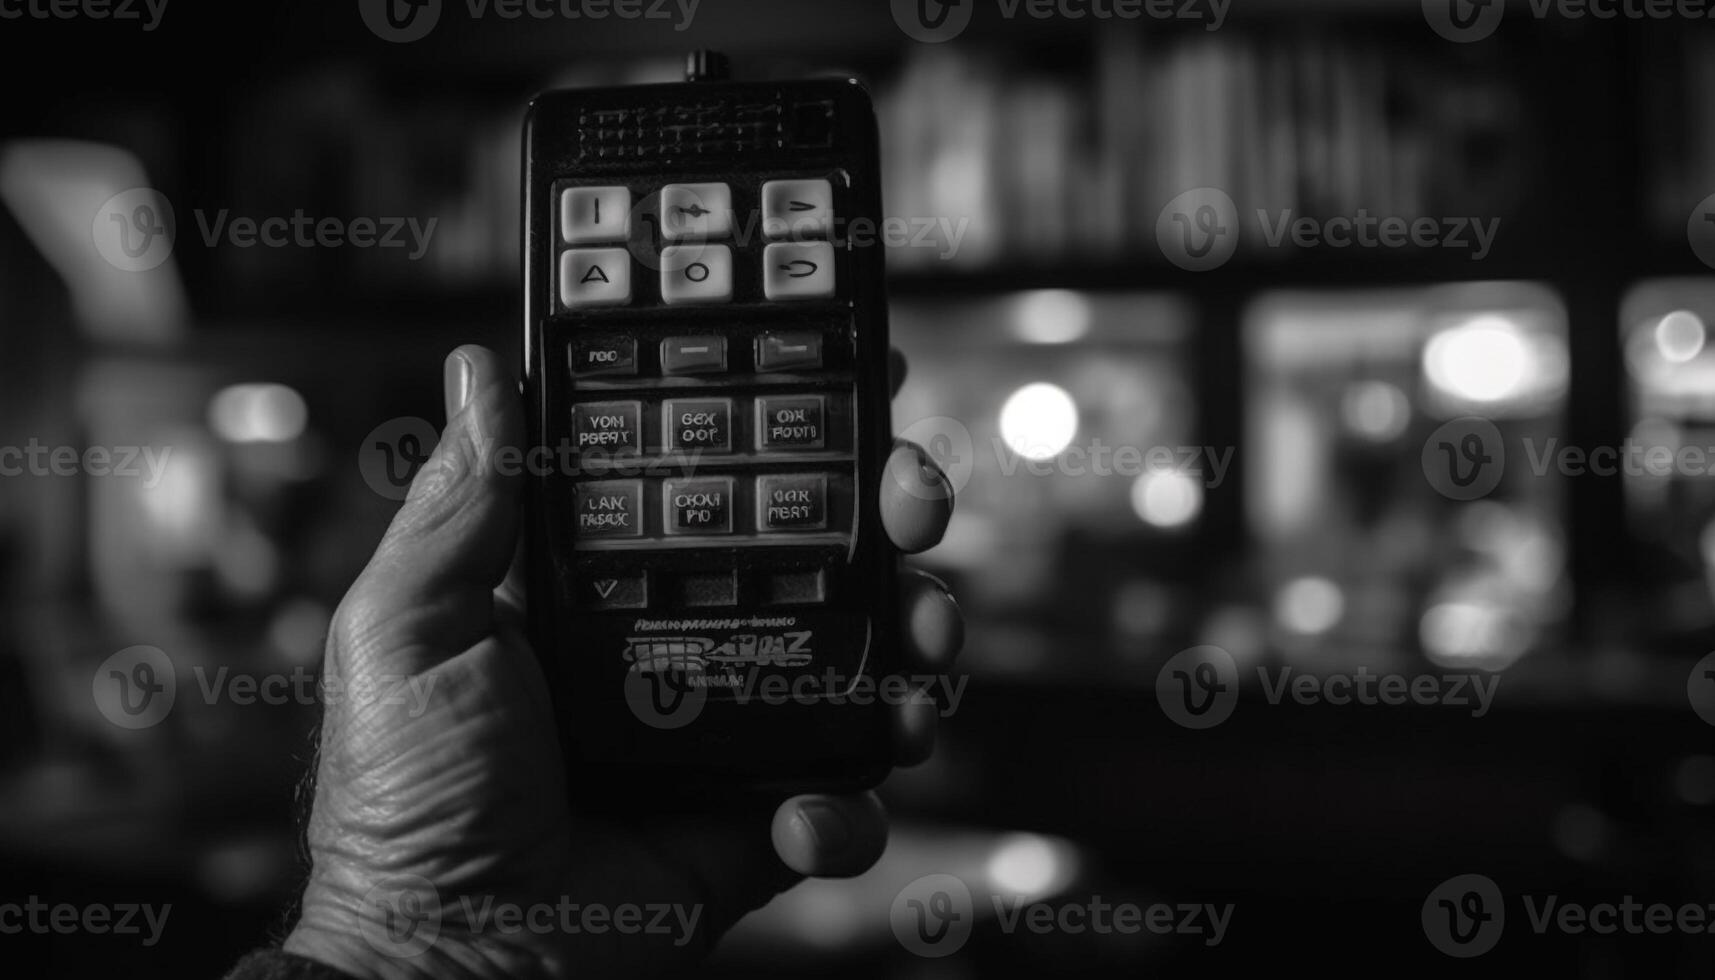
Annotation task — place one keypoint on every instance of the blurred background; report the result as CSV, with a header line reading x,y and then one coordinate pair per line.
x,y
1292,522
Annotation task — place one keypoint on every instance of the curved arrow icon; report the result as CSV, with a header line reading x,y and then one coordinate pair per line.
x,y
789,266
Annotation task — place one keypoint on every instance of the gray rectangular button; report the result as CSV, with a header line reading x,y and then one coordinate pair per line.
x,y
693,355
785,351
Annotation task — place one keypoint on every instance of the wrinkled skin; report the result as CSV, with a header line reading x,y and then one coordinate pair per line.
x,y
457,785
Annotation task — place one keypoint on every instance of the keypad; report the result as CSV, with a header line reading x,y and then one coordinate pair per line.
x,y
723,428
693,240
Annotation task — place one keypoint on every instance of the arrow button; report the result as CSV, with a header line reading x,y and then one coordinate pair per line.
x,y
798,271
797,209
627,591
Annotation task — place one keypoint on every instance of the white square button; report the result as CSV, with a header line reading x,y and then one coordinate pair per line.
x,y
696,211
595,214
797,209
798,270
696,274
595,277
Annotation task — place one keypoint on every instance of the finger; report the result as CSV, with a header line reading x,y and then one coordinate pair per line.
x,y
916,499
896,370
830,836
429,589
934,632
915,722
934,627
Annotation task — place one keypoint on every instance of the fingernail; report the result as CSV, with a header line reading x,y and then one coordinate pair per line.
x,y
457,380
827,825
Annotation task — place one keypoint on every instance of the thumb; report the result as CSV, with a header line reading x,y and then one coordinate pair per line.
x,y
428,591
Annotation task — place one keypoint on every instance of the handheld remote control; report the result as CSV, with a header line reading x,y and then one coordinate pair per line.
x,y
705,362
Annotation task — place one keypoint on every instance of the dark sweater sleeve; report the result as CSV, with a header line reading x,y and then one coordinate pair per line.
x,y
271,964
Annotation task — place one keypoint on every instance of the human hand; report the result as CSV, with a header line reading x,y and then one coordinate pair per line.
x,y
459,798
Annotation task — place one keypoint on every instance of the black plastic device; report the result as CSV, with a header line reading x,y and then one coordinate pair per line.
x,y
711,593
